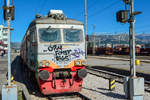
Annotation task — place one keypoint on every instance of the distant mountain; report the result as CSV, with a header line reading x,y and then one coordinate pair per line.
x,y
145,37
120,38
15,45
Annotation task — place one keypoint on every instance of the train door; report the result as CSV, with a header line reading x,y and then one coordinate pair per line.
x,y
28,48
33,48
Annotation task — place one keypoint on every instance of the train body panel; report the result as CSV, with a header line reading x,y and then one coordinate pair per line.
x,y
62,53
54,86
54,49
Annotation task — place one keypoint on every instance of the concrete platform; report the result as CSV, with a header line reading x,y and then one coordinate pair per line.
x,y
117,63
4,68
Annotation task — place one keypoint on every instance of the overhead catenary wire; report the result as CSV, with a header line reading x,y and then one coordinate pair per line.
x,y
92,4
81,13
43,6
40,6
103,9
138,28
89,7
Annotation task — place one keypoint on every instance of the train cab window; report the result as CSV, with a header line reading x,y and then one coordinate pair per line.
x,y
73,35
49,35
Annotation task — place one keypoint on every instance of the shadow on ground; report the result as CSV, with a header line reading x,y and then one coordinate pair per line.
x,y
19,73
20,76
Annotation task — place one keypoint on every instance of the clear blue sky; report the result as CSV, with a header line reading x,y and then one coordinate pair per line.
x,y
102,13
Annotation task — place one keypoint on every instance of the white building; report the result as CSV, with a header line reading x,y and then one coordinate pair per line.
x,y
1,32
4,36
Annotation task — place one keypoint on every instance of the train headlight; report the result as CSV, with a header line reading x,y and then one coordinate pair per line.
x,y
83,63
44,75
47,64
77,63
44,63
82,73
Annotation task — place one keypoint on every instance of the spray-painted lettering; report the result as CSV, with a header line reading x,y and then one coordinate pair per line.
x,y
55,47
61,55
77,53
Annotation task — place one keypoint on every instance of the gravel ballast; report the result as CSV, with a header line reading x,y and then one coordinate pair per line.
x,y
97,88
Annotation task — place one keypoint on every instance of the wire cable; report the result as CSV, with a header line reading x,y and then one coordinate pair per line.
x,y
104,9
92,5
88,7
43,6
40,6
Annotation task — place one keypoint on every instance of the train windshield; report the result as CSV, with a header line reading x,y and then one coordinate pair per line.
x,y
73,35
49,35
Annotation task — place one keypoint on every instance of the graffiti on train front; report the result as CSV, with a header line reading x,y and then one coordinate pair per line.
x,y
77,53
60,54
55,47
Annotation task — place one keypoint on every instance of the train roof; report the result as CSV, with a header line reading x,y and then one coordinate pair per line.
x,y
50,20
53,17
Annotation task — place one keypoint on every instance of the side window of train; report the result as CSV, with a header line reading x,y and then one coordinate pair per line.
x,y
32,35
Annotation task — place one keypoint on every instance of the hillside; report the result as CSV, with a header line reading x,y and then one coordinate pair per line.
x,y
120,38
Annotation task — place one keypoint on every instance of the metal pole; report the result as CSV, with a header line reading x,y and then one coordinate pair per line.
x,y
9,61
99,43
94,27
132,40
85,25
119,40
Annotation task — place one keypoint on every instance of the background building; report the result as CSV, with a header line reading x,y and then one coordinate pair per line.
x,y
3,37
1,32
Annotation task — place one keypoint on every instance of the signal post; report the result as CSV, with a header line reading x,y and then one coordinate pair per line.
x,y
133,85
9,91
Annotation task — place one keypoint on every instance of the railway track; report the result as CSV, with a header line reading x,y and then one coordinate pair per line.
x,y
108,74
69,96
30,87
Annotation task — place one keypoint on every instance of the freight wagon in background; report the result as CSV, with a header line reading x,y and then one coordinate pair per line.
x,y
53,49
119,50
3,48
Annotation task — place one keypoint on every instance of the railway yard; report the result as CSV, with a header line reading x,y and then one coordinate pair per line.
x,y
95,85
58,56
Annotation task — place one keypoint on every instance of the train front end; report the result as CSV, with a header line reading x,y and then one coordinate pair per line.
x,y
61,57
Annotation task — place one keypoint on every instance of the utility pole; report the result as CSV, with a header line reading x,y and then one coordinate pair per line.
x,y
119,38
133,86
132,40
85,26
9,56
99,42
94,44
9,91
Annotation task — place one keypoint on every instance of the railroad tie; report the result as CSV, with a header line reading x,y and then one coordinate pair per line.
x,y
112,84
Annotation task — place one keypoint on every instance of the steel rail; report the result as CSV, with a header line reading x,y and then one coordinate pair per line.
x,y
68,95
33,88
107,75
